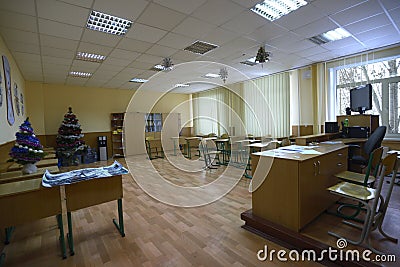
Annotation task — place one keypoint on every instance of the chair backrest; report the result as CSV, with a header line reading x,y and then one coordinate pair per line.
x,y
375,140
373,163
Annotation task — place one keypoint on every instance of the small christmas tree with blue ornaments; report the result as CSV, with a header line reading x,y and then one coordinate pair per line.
x,y
27,148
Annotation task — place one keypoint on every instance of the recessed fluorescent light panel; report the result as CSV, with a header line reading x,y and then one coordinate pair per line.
x,y
330,36
102,22
90,57
138,80
274,9
200,47
210,75
80,74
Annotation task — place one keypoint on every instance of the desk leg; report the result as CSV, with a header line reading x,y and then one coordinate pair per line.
x,y
2,258
62,240
9,231
70,236
120,224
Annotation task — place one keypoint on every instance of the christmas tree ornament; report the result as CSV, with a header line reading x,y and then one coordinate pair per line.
x,y
68,140
27,149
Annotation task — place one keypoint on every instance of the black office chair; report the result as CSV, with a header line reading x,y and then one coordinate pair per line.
x,y
373,142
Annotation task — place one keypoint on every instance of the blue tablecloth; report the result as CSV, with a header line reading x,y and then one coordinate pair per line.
x,y
49,180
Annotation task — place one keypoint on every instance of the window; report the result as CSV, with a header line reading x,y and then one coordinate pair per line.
x,y
384,75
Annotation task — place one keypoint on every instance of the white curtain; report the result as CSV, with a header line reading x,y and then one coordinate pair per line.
x,y
267,108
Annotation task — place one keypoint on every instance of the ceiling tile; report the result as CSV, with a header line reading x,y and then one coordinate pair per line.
x,y
321,56
149,58
130,72
284,40
30,67
114,83
245,22
76,81
18,21
311,51
316,27
248,3
134,45
148,74
27,57
390,4
141,65
220,36
84,65
81,3
218,12
19,36
382,41
117,61
95,82
59,29
124,54
55,68
184,56
129,9
340,43
56,60
96,37
300,17
176,41
267,32
19,6
62,12
23,47
331,7
55,52
145,33
104,75
52,79
193,27
160,17
368,24
187,6
57,42
387,30
94,48
109,68
359,12
162,51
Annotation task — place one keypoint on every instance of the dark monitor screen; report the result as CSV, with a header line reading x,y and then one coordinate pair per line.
x,y
361,98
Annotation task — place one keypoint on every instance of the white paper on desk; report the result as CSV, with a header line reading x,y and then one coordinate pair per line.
x,y
331,142
310,152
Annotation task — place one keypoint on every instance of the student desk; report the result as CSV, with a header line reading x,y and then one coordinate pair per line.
x,y
191,141
93,192
39,164
26,201
14,176
289,189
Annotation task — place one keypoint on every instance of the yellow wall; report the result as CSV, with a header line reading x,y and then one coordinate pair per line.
x,y
91,105
7,132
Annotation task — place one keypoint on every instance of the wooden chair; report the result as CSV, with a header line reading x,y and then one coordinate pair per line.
x,y
376,212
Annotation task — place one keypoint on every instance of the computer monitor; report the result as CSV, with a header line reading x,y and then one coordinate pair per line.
x,y
361,98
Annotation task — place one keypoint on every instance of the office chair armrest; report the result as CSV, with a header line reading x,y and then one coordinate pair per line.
x,y
352,146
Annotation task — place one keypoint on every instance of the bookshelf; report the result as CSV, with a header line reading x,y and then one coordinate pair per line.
x,y
117,130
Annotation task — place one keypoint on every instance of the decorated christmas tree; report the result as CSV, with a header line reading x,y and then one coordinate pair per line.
x,y
27,148
68,140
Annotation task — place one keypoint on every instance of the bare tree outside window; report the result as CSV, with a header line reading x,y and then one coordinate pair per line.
x,y
385,79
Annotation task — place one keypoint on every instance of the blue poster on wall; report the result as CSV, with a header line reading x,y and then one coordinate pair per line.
x,y
7,82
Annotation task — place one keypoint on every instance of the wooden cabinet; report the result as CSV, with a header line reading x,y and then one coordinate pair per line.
x,y
292,191
117,130
371,121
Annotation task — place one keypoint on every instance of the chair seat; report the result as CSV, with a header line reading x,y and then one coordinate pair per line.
x,y
357,159
353,190
355,177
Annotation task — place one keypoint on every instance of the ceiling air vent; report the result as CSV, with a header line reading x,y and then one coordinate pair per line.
x,y
200,47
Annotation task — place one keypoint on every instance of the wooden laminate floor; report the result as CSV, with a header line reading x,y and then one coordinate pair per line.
x,y
156,234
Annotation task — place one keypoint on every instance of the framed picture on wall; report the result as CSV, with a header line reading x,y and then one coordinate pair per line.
x,y
21,99
7,85
16,98
1,91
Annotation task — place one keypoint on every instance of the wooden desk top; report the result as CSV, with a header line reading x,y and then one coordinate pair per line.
x,y
192,137
18,176
261,145
40,164
8,189
292,152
